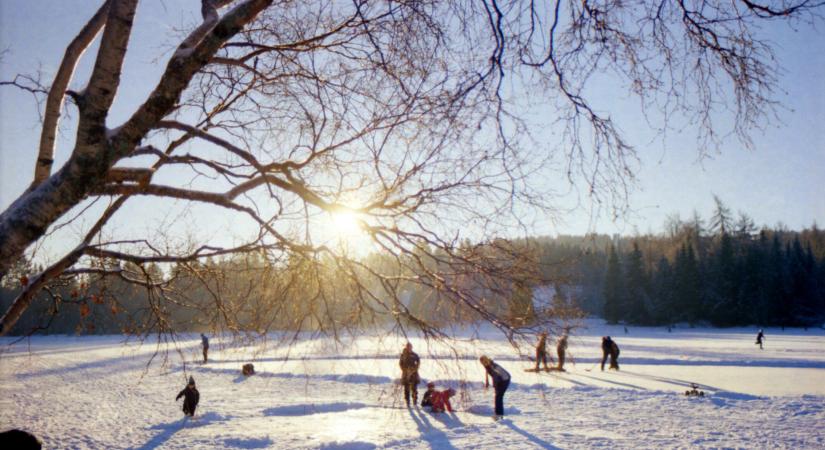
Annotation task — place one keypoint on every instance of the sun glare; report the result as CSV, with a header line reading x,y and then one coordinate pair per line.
x,y
342,228
345,224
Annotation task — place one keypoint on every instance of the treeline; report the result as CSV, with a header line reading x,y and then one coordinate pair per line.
x,y
722,271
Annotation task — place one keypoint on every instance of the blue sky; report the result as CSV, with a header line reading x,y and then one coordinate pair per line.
x,y
780,179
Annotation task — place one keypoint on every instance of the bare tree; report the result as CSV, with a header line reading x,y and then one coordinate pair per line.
x,y
406,114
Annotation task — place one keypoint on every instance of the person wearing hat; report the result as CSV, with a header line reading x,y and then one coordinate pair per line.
x,y
501,381
191,397
427,400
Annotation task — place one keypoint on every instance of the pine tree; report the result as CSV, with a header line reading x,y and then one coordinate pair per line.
x,y
636,287
613,288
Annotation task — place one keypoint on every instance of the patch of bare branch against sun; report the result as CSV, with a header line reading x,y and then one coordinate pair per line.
x,y
403,119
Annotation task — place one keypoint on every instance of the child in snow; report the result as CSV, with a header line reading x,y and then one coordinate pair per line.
x,y
541,351
441,401
759,338
427,400
610,348
191,397
409,362
205,344
501,381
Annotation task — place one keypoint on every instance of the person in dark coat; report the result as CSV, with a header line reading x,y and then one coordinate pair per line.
x,y
409,363
541,351
427,399
759,338
501,381
191,397
205,345
561,351
610,348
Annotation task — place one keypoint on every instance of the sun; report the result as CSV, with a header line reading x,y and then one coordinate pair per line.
x,y
342,230
344,224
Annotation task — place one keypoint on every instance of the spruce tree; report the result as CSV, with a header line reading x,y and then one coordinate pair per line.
x,y
613,288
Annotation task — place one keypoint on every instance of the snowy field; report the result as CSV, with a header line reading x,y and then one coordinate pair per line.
x,y
99,393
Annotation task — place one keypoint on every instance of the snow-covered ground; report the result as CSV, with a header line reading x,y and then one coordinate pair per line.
x,y
97,392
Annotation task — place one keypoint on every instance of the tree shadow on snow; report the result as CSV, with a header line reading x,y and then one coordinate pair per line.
x,y
675,381
353,445
431,434
309,409
247,443
617,383
353,378
167,430
531,437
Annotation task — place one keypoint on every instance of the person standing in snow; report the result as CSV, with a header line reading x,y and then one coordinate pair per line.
x,y
191,397
610,348
501,381
759,338
561,350
541,351
409,363
205,345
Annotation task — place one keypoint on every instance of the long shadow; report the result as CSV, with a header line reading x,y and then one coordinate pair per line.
x,y
309,409
675,381
167,430
775,363
627,385
341,378
435,437
140,358
531,437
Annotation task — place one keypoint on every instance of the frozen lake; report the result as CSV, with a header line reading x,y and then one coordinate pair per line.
x,y
97,392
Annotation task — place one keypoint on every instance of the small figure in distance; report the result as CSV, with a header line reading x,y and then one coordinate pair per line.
x,y
561,351
205,345
409,363
541,351
759,337
191,397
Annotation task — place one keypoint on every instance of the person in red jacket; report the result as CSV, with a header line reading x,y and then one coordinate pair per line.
x,y
441,400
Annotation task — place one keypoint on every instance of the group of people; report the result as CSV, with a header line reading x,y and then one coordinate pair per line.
x,y
439,401
541,352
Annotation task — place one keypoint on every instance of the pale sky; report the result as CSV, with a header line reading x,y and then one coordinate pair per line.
x,y
782,179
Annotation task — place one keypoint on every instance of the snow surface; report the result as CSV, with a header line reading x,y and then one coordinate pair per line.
x,y
99,392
